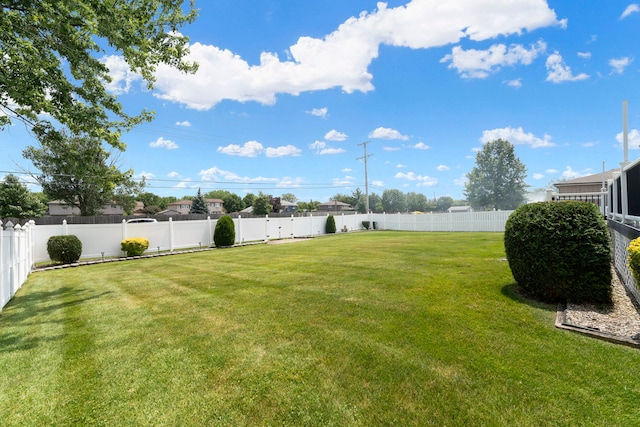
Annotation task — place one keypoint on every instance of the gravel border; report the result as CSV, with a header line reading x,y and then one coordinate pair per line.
x,y
618,323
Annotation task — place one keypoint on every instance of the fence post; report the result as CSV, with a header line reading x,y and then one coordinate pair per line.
x,y
170,234
292,227
311,224
240,236
3,269
11,258
266,227
210,237
65,229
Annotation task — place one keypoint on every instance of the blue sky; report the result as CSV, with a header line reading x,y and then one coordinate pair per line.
x,y
287,91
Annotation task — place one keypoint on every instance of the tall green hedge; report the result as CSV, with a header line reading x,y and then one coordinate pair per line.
x,y
330,226
225,232
560,251
66,249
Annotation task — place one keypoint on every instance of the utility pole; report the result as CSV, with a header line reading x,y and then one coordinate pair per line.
x,y
366,178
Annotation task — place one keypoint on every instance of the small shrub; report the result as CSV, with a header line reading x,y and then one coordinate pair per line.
x,y
330,225
134,246
633,257
225,232
560,251
365,224
64,249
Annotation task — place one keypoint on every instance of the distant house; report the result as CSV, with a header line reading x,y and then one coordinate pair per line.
x,y
585,184
334,206
183,207
288,207
459,209
61,208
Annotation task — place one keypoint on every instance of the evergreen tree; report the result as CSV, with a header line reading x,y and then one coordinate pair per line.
x,y
261,205
16,201
199,205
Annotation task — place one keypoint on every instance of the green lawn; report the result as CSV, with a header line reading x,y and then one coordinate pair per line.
x,y
359,329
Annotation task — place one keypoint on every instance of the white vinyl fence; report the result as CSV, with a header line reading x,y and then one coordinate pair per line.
x,y
23,246
16,258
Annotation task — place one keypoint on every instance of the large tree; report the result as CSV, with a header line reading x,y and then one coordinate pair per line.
x,y
81,172
394,201
497,180
261,205
16,201
54,63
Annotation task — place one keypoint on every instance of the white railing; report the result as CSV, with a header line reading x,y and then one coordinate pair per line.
x,y
599,198
21,247
16,258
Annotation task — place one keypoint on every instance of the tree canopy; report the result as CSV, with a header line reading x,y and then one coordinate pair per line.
x,y
81,172
16,201
53,60
497,180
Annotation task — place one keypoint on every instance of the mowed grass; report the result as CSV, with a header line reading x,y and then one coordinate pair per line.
x,y
359,329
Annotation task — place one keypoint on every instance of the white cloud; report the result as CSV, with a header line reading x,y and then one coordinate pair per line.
x,y
538,176
249,149
121,75
331,150
173,175
387,133
423,181
443,168
184,123
387,148
421,146
401,166
145,175
377,183
480,64
619,64
334,135
569,173
552,171
584,55
632,8
288,182
347,170
163,143
516,136
342,58
633,138
320,112
283,151
185,183
217,174
514,83
461,181
322,148
558,72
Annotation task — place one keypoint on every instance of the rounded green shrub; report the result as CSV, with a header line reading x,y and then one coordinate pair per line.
x,y
560,251
65,249
225,232
330,225
134,246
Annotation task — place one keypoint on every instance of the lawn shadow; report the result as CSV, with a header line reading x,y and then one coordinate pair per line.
x,y
27,310
516,293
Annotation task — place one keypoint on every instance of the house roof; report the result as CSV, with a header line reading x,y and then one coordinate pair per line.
x,y
188,202
334,203
596,178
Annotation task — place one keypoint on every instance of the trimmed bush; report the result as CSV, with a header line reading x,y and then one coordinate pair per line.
x,y
134,246
633,257
225,232
330,225
64,249
560,251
